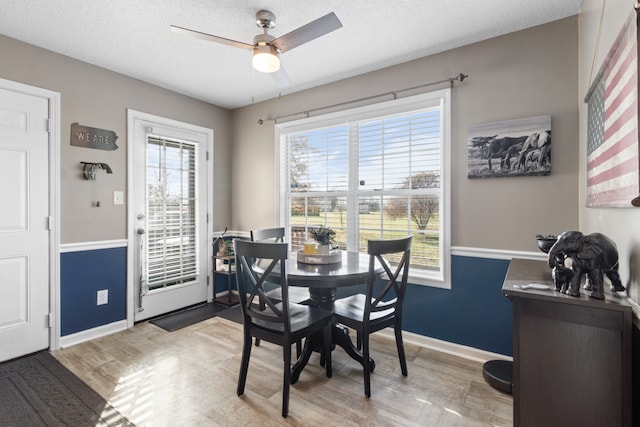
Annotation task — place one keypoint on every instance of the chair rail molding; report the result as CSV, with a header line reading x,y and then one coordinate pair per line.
x,y
495,253
92,246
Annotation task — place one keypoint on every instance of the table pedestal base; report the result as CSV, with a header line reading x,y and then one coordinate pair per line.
x,y
323,297
339,337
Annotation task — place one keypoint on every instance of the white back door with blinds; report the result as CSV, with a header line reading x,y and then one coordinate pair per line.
x,y
170,197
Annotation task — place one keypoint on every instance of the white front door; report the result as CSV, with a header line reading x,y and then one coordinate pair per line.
x,y
171,198
24,224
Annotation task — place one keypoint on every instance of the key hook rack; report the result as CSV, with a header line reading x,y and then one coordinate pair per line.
x,y
89,169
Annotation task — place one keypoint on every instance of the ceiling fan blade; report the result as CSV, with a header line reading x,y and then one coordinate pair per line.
x,y
281,78
210,37
308,32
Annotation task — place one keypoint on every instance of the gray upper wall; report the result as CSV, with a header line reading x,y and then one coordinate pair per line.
x,y
522,74
96,97
526,73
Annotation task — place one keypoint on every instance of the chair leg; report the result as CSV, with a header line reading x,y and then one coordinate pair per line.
x,y
244,363
262,306
298,348
400,345
326,356
367,365
358,340
286,380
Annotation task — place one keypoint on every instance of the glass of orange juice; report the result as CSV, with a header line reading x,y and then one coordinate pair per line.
x,y
309,247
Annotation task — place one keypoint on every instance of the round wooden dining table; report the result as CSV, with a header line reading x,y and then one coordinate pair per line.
x,y
322,280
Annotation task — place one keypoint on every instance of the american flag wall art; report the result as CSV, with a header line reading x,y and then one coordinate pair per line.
x,y
613,162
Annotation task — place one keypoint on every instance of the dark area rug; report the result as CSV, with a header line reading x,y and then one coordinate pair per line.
x,y
234,314
190,316
36,390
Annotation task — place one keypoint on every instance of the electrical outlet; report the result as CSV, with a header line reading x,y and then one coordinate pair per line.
x,y
103,297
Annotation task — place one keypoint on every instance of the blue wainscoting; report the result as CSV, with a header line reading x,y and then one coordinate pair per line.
x,y
82,274
222,285
473,312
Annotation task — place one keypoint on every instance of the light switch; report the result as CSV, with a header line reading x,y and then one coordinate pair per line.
x,y
118,198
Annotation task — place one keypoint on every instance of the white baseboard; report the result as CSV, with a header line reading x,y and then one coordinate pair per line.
x,y
90,334
408,337
446,347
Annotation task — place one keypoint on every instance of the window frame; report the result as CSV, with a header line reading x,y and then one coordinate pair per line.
x,y
440,277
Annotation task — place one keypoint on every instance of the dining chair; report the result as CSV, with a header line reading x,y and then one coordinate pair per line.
x,y
296,294
280,322
276,235
381,307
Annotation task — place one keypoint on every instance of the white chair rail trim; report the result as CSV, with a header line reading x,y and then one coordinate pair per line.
x,y
92,246
496,253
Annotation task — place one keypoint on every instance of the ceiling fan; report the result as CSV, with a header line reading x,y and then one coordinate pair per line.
x,y
265,47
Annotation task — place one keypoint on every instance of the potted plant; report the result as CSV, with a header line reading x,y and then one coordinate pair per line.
x,y
325,237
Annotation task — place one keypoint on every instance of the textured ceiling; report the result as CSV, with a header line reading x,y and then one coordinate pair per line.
x,y
132,37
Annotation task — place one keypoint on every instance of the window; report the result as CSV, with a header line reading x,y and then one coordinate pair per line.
x,y
380,171
172,249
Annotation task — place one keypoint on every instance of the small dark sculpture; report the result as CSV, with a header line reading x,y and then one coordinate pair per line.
x,y
575,255
561,274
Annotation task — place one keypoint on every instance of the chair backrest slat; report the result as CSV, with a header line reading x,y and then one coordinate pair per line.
x,y
391,294
272,234
251,284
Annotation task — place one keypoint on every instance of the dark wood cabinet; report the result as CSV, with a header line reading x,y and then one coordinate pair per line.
x,y
571,355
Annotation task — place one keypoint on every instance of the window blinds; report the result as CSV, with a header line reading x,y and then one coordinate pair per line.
x,y
172,250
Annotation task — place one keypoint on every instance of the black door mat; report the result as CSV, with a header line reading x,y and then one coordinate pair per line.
x,y
36,390
234,314
187,317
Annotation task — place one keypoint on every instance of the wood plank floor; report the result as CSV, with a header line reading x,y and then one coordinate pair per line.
x,y
188,378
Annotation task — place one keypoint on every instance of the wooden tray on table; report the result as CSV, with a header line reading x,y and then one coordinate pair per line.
x,y
331,258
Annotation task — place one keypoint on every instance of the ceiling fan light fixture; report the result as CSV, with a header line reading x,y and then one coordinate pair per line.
x,y
266,48
265,59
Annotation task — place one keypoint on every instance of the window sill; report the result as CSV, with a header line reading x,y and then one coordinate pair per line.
x,y
424,279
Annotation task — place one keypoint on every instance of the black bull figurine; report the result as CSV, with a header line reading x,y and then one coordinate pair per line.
x,y
575,255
